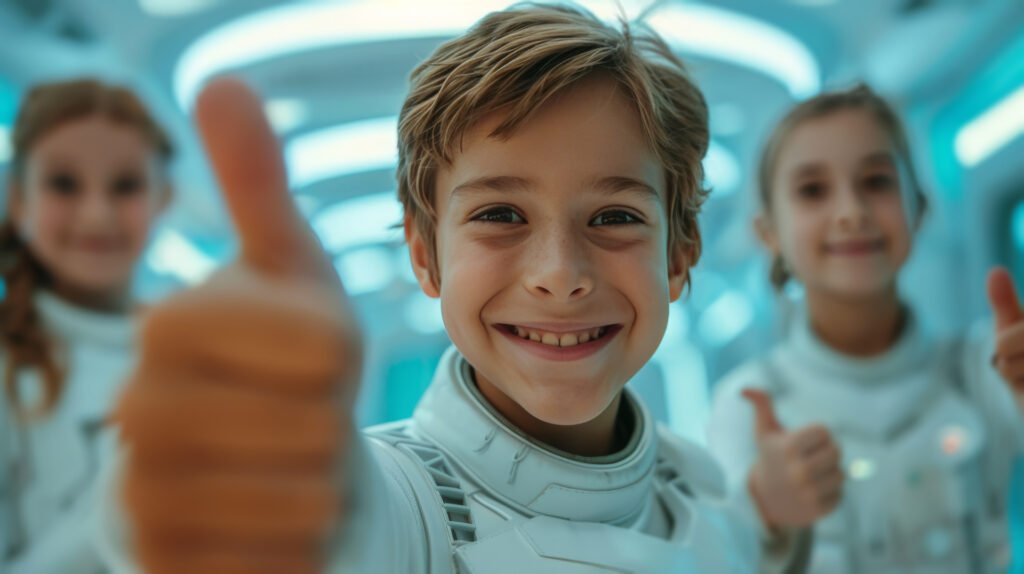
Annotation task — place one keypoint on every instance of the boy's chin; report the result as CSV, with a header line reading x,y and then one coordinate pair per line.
x,y
567,413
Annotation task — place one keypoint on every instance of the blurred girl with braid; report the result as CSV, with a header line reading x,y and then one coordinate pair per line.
x,y
86,182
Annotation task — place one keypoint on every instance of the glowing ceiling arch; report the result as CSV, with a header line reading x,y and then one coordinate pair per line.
x,y
294,28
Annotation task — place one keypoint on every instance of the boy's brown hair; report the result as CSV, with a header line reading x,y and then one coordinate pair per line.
x,y
514,61
857,97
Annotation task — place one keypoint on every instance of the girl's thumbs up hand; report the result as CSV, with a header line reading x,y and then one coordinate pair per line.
x,y
797,477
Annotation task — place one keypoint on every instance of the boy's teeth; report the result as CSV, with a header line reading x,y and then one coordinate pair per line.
x,y
565,340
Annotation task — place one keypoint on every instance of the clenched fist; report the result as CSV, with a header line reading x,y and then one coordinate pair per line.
x,y
237,417
798,476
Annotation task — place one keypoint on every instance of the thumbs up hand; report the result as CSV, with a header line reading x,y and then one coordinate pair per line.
x,y
1009,323
797,477
238,412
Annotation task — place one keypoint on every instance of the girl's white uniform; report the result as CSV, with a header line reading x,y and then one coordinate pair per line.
x,y
928,432
48,467
456,488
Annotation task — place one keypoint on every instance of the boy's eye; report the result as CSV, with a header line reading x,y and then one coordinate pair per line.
x,y
127,185
62,183
614,217
499,215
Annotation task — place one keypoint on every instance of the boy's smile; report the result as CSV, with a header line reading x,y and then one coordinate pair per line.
x,y
565,336
552,255
554,345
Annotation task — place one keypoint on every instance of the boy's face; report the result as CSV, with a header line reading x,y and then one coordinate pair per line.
x,y
558,233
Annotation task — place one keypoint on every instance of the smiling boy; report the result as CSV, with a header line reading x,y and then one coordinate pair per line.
x,y
550,171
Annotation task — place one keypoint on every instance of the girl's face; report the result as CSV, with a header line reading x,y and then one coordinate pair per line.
x,y
86,202
839,216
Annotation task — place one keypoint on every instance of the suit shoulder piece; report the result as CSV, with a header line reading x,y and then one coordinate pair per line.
x,y
689,466
441,477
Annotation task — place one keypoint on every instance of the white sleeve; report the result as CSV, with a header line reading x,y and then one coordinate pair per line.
x,y
381,532
67,547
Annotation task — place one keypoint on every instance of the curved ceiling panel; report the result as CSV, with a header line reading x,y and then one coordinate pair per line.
x,y
702,30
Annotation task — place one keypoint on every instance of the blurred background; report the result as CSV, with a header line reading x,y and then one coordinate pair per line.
x,y
334,73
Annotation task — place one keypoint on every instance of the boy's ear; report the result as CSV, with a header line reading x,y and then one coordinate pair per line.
x,y
679,262
420,258
765,230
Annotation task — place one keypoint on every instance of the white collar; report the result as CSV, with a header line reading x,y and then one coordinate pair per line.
x,y
840,389
74,324
909,354
531,477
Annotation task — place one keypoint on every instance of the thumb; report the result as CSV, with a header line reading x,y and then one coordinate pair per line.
x,y
766,422
1002,296
247,161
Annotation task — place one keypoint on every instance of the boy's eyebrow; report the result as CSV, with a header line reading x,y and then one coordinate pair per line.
x,y
494,183
609,184
619,183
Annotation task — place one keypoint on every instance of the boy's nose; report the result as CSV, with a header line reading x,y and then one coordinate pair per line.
x,y
559,269
563,291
